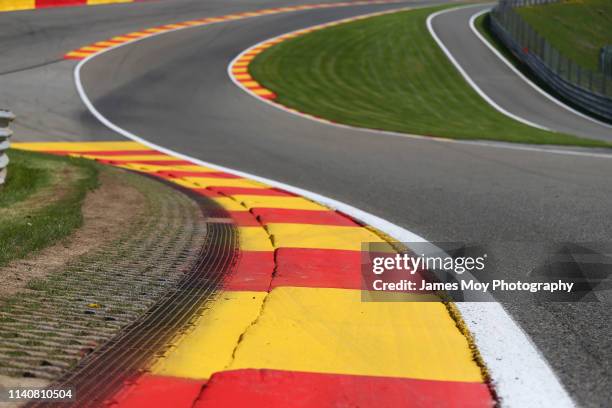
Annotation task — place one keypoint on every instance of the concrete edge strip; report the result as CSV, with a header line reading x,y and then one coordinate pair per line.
x,y
522,76
465,75
521,376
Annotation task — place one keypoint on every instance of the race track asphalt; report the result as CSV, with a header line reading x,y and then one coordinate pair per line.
x,y
174,90
36,81
501,84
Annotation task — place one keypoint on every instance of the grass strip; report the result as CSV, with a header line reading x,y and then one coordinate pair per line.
x,y
577,28
386,72
41,200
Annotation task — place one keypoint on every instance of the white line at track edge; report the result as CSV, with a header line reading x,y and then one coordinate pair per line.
x,y
468,79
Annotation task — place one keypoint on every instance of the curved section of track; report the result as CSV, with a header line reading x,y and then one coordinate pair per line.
x,y
36,81
500,83
444,191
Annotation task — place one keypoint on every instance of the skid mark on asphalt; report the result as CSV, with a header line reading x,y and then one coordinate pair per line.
x,y
290,327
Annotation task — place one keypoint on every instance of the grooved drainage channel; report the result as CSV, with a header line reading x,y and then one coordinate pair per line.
x,y
123,358
44,332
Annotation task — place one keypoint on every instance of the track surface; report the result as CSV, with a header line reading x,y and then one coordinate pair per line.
x,y
500,83
174,90
37,83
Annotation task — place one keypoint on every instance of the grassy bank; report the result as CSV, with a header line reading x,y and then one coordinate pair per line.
x,y
387,73
40,202
577,28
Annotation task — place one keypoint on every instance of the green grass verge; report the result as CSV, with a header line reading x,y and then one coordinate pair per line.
x,y
387,73
577,28
41,200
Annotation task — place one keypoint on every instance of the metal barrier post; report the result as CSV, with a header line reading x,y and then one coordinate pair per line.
x,y
6,117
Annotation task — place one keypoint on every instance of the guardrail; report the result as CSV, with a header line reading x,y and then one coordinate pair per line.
x,y
522,3
605,60
6,118
587,89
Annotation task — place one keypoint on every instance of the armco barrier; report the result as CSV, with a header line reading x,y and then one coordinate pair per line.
x,y
522,3
6,118
589,90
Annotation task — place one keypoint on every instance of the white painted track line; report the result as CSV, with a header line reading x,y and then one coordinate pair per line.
x,y
468,79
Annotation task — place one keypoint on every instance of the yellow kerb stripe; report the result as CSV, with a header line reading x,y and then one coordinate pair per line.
x,y
208,348
229,204
79,54
254,239
104,44
131,158
292,203
14,5
325,331
262,92
154,168
200,182
92,48
155,30
321,236
121,39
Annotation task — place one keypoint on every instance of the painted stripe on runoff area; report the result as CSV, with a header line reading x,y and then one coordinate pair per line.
x,y
290,326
